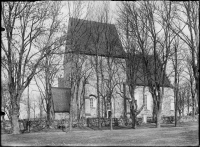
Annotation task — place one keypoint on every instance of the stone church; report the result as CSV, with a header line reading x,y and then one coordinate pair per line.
x,y
93,49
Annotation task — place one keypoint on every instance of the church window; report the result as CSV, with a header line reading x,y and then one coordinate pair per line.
x,y
91,103
108,106
145,102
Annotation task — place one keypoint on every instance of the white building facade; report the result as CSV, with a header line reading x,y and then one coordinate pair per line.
x,y
93,49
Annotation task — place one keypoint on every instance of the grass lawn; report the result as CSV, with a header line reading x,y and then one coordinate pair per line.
x,y
145,135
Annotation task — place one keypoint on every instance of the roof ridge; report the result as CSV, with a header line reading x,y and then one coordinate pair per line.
x,y
84,20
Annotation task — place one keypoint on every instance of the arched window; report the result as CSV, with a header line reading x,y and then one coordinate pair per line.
x,y
145,102
108,106
91,102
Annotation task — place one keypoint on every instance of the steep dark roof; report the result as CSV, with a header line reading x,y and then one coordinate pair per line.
x,y
61,82
88,37
61,99
141,79
85,37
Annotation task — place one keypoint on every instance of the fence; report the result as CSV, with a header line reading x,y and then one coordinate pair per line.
x,y
37,125
93,122
33,125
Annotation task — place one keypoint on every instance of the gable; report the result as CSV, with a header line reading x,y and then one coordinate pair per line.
x,y
95,38
92,38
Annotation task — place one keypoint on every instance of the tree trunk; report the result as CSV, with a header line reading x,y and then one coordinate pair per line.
x,y
132,115
41,111
132,111
176,85
34,113
188,104
29,113
15,119
154,112
159,107
158,118
84,104
183,98
197,88
193,106
176,105
132,104
98,96
48,90
3,119
77,99
102,114
28,103
102,91
48,115
105,107
70,120
71,105
49,110
125,108
179,112
70,115
111,126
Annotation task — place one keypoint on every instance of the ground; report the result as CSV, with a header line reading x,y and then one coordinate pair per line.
x,y
146,135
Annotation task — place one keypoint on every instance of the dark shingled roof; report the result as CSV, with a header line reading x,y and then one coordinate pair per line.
x,y
61,82
61,99
140,74
88,37
85,37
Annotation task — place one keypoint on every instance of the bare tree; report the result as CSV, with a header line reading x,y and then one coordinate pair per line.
x,y
97,31
154,45
178,68
106,47
23,48
164,42
5,102
41,108
80,74
176,81
184,98
108,64
129,22
45,79
74,73
189,16
191,84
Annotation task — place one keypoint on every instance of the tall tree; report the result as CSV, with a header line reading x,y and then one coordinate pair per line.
x,y
45,79
191,83
154,45
74,63
23,48
129,22
176,88
97,37
162,48
188,15
5,102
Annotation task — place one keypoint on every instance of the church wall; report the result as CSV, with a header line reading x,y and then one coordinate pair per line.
x,y
118,101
